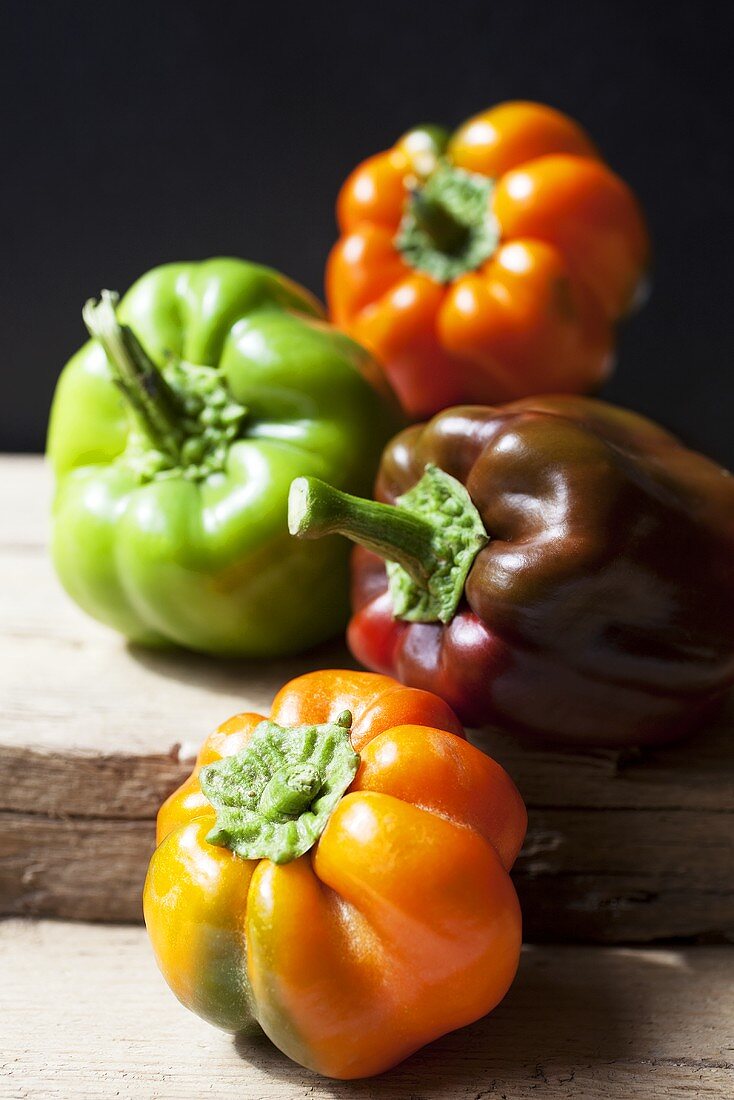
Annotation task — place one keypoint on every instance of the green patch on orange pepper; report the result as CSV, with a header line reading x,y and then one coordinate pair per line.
x,y
397,923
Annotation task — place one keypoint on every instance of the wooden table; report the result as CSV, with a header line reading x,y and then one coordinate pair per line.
x,y
84,1013
620,848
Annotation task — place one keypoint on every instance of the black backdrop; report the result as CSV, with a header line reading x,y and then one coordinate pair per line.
x,y
142,132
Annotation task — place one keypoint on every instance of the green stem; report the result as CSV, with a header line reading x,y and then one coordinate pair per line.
x,y
429,537
448,227
155,403
291,790
432,216
272,799
316,509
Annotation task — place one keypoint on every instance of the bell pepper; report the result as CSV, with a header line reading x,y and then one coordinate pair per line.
x,y
557,566
175,433
490,264
338,875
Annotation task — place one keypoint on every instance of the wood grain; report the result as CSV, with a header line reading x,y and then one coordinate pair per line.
x,y
84,1013
94,734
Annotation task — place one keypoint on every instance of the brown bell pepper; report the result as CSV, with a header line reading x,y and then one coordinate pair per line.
x,y
557,565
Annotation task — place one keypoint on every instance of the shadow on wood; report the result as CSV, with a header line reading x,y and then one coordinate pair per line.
x,y
571,1012
227,676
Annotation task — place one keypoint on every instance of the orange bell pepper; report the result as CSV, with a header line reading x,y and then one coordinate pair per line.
x,y
369,908
488,265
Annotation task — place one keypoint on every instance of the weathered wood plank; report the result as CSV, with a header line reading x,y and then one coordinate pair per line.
x,y
697,774
84,1013
616,876
83,869
93,869
94,734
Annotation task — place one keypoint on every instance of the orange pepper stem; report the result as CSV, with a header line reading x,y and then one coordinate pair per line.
x,y
448,227
291,790
434,218
274,797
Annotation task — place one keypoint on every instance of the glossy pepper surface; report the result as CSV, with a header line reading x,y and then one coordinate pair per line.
x,y
369,908
490,264
175,433
558,566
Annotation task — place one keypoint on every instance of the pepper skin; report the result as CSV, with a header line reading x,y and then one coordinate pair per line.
x,y
493,296
169,517
600,611
399,925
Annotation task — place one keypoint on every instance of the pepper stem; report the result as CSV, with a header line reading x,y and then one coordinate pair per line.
x,y
156,404
448,227
272,799
316,509
291,790
429,537
431,215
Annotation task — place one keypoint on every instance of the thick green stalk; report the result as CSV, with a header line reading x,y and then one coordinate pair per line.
x,y
316,509
429,537
156,404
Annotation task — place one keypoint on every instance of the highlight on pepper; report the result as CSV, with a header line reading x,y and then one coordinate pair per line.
x,y
337,875
555,566
488,264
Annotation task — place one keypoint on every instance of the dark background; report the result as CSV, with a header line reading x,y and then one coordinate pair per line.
x,y
144,132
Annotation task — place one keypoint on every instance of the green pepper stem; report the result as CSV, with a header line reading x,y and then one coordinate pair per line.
x,y
157,407
437,222
316,509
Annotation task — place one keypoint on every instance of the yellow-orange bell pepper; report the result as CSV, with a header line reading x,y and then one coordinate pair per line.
x,y
398,924
490,264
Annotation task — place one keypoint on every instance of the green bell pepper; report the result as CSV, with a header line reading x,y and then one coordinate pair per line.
x,y
174,436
